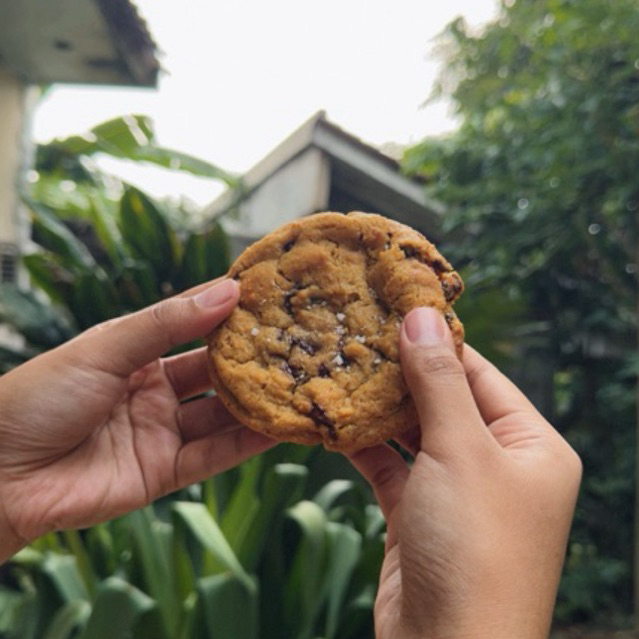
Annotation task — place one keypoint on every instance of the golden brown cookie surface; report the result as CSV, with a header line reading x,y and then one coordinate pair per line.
x,y
311,353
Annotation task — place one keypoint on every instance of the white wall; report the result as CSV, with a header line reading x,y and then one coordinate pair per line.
x,y
298,188
12,101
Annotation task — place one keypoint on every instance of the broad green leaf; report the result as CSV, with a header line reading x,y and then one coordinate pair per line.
x,y
120,135
239,515
375,522
77,547
68,619
229,606
283,485
93,300
47,274
12,357
10,600
146,230
344,554
206,256
206,530
54,236
38,322
131,137
102,215
153,550
331,492
26,615
116,611
101,548
177,161
305,591
65,576
138,285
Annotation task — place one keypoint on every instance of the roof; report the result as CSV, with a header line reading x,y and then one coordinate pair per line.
x,y
358,177
77,41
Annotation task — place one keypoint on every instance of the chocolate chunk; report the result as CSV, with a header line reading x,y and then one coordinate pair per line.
x,y
288,304
318,415
411,252
307,347
439,267
451,288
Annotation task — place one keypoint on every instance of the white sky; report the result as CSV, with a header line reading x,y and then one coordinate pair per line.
x,y
240,75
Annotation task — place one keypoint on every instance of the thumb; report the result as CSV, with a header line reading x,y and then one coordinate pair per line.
x,y
437,381
124,345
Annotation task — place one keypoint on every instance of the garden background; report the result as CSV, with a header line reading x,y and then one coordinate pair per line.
x,y
541,193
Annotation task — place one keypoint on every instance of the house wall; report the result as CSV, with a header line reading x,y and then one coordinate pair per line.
x,y
13,227
11,123
298,188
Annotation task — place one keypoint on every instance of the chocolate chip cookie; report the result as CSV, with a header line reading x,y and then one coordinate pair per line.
x,y
311,353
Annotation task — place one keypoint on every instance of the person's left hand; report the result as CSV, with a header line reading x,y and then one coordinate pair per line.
x,y
98,426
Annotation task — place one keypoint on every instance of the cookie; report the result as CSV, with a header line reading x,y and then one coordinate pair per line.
x,y
311,352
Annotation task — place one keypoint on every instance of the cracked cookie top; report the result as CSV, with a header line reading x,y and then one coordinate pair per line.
x,y
311,352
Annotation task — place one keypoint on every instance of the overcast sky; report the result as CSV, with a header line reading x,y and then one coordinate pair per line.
x,y
240,75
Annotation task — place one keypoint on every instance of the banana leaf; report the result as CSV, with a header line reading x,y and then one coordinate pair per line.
x,y
130,137
145,229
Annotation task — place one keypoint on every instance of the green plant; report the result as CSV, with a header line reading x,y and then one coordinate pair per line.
x,y
103,247
248,557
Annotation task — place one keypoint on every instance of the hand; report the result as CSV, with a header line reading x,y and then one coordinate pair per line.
x,y
478,524
98,427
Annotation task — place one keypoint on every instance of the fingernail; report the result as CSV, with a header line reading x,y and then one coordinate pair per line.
x,y
216,295
425,326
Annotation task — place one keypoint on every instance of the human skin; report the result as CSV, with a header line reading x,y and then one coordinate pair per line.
x,y
478,523
98,426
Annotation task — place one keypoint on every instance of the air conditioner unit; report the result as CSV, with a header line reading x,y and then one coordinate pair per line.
x,y
8,262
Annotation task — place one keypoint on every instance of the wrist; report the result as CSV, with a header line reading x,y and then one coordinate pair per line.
x,y
494,622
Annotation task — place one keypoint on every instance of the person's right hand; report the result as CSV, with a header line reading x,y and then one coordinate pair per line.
x,y
478,524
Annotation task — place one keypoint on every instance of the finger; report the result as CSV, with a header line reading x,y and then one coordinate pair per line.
x,y
125,345
188,373
198,288
386,472
437,381
218,452
495,395
410,440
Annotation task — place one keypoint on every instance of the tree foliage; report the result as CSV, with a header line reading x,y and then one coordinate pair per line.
x,y
542,192
102,247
